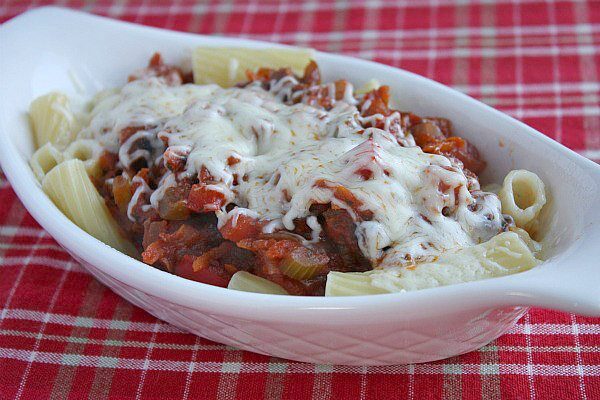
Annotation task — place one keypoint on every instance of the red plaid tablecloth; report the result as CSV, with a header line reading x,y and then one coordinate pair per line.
x,y
64,335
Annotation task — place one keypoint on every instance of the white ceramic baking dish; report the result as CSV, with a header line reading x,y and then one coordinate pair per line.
x,y
50,48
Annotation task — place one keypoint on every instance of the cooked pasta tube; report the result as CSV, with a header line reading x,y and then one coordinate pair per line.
x,y
351,284
86,150
502,255
534,246
44,159
522,196
247,282
71,189
227,66
52,119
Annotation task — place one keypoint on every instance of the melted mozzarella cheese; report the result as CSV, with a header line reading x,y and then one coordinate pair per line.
x,y
293,156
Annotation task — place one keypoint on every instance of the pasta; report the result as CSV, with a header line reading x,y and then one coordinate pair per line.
x,y
88,151
70,188
52,119
523,196
534,246
504,254
273,181
247,282
226,66
44,159
351,284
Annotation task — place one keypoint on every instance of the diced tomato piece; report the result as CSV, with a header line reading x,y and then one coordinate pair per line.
x,y
379,99
156,61
204,176
245,227
364,173
280,249
345,195
312,75
268,74
460,149
427,133
166,243
144,174
175,160
231,160
444,124
203,199
348,197
154,252
208,275
340,89
156,67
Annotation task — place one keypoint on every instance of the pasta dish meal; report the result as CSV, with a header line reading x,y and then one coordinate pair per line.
x,y
251,173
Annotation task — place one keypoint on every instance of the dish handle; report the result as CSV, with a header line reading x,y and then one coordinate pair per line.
x,y
571,283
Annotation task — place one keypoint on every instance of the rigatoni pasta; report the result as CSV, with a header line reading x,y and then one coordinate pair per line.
x,y
247,282
227,66
52,119
44,159
70,188
88,151
522,195
534,246
502,255
351,284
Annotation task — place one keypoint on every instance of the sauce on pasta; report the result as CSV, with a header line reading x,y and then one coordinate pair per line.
x,y
283,176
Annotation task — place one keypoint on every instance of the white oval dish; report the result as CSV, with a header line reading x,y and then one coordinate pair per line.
x,y
55,49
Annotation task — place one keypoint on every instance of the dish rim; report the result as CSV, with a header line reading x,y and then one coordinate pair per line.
x,y
508,290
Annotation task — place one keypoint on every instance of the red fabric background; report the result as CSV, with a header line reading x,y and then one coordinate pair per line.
x,y
64,335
